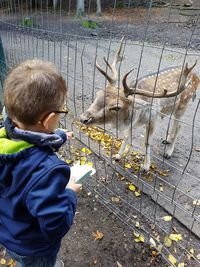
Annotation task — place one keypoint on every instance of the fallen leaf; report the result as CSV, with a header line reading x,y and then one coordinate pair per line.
x,y
118,264
191,251
11,263
127,165
167,242
172,259
139,238
167,218
137,193
152,242
86,151
131,187
197,149
98,235
90,163
137,224
115,199
3,261
198,256
182,264
175,237
196,202
68,161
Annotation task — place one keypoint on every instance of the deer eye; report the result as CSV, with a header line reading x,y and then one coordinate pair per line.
x,y
115,108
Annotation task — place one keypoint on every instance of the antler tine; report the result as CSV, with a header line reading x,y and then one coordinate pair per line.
x,y
112,80
131,91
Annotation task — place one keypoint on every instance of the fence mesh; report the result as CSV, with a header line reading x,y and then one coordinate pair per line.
x,y
162,205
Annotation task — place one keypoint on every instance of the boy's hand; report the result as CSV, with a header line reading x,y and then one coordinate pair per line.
x,y
68,134
73,185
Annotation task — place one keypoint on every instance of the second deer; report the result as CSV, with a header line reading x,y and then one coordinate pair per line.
x,y
132,106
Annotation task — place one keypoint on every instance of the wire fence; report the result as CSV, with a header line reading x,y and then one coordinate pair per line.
x,y
161,206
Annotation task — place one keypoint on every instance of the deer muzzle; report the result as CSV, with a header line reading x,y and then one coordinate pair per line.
x,y
86,118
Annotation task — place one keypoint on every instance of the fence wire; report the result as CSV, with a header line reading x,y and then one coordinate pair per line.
x,y
164,203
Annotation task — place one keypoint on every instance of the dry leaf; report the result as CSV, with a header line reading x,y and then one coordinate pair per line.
x,y
137,193
152,242
115,199
98,235
196,202
119,264
90,163
172,259
175,237
191,251
68,161
86,151
11,263
198,256
139,238
137,224
131,187
127,165
182,264
3,261
197,149
167,218
167,242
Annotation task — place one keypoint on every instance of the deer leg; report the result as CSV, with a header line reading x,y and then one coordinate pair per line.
x,y
127,135
150,129
173,133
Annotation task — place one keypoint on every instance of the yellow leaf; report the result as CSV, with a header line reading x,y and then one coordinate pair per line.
x,y
137,224
127,165
98,235
161,188
3,261
115,199
167,242
86,151
90,163
191,251
68,161
175,237
11,263
131,187
182,264
167,218
137,193
83,161
172,259
139,239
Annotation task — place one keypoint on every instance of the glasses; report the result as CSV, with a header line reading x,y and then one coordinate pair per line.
x,y
62,113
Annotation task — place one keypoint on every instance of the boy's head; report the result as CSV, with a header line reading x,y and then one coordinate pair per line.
x,y
32,91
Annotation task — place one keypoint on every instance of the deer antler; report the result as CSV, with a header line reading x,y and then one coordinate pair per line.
x,y
183,85
112,80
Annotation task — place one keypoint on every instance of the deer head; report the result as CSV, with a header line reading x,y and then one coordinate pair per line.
x,y
114,104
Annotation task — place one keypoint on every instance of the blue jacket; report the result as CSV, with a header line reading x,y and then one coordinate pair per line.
x,y
36,210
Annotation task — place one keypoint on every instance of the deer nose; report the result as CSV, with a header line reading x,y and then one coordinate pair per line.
x,y
86,118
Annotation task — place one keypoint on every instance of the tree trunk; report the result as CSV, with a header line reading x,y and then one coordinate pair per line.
x,y
80,8
99,13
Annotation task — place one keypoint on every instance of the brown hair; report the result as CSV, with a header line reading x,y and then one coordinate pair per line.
x,y
32,89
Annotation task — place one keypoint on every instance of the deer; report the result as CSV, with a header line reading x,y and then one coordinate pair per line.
x,y
141,102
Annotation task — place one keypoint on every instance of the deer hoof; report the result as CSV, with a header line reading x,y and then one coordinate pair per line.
x,y
145,167
167,155
165,142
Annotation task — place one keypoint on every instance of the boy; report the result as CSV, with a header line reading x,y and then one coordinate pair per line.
x,y
37,199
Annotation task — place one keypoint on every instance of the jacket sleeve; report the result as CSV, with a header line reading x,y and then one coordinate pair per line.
x,y
52,204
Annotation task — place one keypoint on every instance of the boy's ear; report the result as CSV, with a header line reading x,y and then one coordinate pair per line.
x,y
47,121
